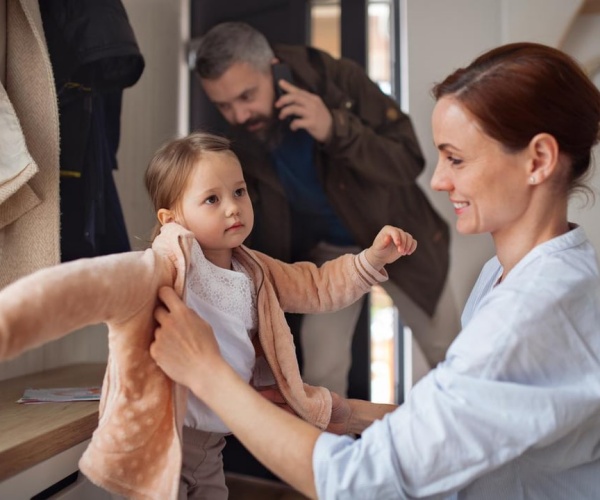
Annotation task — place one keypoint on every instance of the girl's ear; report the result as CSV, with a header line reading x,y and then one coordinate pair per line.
x,y
165,216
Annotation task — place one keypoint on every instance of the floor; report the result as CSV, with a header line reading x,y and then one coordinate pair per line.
x,y
242,487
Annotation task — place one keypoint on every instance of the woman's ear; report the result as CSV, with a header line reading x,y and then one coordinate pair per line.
x,y
544,153
165,216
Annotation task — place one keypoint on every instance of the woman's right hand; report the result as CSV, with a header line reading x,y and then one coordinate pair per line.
x,y
184,347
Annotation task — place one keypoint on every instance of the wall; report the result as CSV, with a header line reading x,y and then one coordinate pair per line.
x,y
582,43
155,109
441,36
436,43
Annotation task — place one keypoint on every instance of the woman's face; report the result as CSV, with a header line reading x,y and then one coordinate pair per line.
x,y
488,186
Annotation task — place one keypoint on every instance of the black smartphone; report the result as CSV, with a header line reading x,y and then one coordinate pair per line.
x,y
281,71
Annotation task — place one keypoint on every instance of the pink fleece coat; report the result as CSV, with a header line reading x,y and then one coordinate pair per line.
x,y
136,449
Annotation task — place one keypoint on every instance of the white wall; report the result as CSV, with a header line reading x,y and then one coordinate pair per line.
x,y
155,109
442,36
583,43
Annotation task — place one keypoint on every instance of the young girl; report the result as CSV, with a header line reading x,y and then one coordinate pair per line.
x,y
196,184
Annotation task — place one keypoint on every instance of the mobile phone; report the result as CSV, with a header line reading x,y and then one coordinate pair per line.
x,y
281,71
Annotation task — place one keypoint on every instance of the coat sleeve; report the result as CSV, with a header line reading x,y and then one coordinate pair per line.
x,y
55,301
305,288
371,135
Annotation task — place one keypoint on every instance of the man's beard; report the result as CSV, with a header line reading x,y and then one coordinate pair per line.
x,y
270,135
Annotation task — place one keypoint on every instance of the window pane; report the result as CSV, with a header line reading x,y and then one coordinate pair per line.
x,y
384,330
379,36
325,31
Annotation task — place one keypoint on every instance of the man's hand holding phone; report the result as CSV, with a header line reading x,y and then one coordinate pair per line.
x,y
304,109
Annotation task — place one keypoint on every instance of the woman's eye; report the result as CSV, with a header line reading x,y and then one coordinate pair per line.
x,y
454,161
211,200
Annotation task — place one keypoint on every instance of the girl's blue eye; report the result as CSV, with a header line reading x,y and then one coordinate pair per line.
x,y
240,192
211,200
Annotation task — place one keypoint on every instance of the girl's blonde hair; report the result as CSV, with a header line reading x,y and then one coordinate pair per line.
x,y
169,170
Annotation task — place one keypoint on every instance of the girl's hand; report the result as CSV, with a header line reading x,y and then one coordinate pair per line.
x,y
389,245
340,415
273,394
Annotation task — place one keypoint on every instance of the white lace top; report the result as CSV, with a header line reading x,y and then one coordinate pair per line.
x,y
227,300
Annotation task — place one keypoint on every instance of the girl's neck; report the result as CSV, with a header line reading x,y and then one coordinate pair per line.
x,y
220,258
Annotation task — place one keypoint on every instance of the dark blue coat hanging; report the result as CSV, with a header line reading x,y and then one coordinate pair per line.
x,y
94,56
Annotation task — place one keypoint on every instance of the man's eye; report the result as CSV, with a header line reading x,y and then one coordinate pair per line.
x,y
247,96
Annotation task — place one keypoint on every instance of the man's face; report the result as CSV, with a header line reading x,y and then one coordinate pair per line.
x,y
245,97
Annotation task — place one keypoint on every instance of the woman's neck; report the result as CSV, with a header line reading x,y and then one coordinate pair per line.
x,y
510,249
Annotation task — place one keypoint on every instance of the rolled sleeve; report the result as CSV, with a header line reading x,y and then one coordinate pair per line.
x,y
345,468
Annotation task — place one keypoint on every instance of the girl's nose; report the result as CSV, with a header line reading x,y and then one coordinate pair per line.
x,y
232,209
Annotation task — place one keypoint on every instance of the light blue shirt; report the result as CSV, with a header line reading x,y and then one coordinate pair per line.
x,y
514,410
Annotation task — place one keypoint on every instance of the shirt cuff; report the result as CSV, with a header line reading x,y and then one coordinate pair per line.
x,y
371,274
325,448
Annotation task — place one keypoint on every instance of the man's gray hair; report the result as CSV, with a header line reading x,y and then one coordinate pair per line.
x,y
229,43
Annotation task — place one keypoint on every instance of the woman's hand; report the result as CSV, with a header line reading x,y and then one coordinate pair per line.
x,y
185,347
389,245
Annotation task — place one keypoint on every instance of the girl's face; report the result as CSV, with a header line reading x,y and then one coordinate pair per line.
x,y
488,186
215,205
